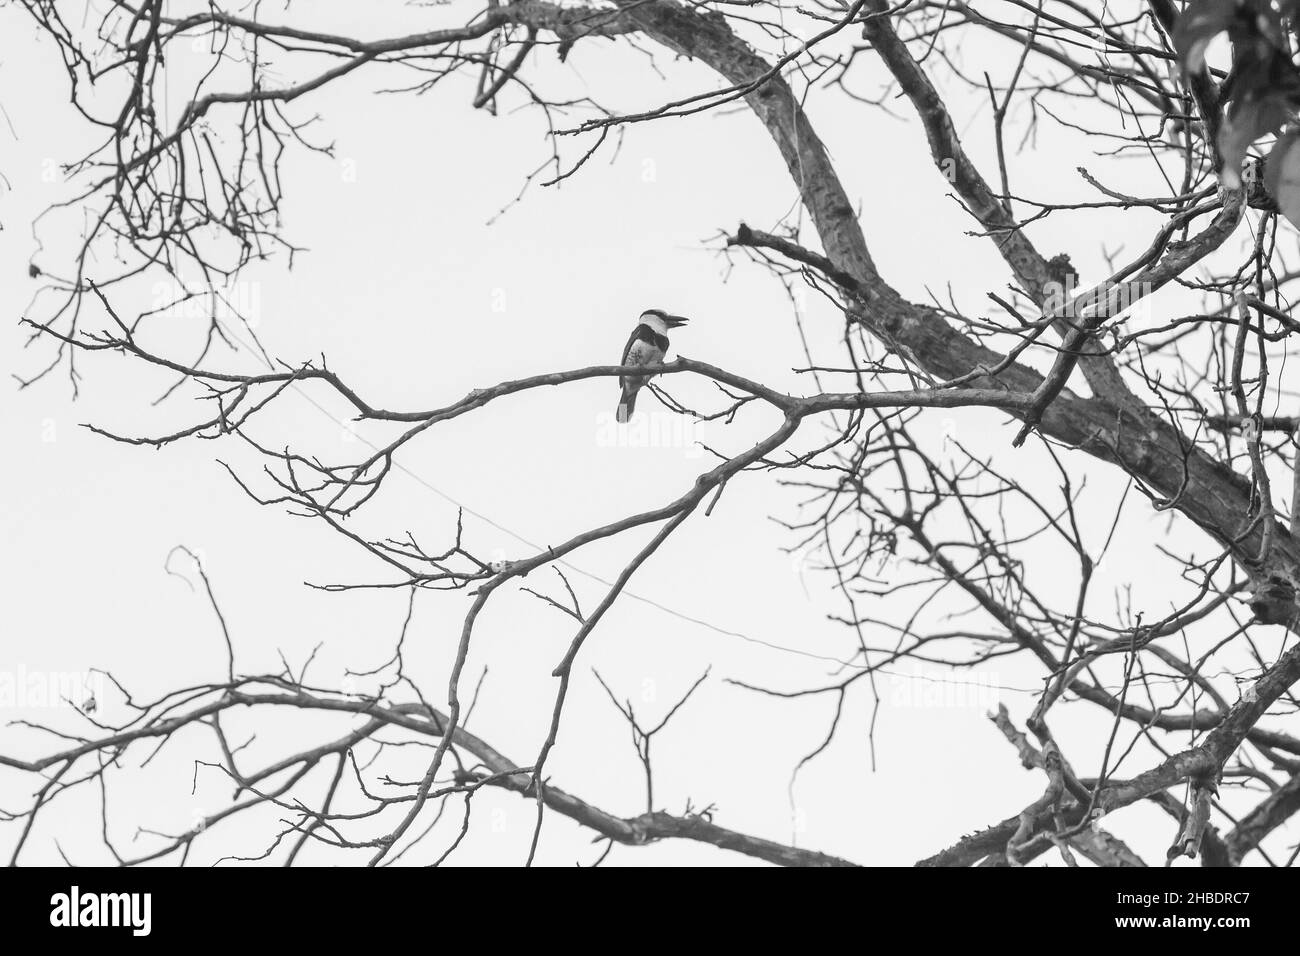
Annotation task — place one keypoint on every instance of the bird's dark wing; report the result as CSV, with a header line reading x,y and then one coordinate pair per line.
x,y
642,333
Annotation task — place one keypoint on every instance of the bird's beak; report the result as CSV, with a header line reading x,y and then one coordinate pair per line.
x,y
675,320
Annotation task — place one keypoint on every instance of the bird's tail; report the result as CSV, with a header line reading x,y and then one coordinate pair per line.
x,y
626,404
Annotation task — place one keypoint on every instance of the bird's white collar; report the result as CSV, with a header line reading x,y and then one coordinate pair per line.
x,y
656,323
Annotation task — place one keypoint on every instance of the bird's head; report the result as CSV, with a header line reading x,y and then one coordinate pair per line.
x,y
659,316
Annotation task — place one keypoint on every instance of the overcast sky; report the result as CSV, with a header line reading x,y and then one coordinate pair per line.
x,y
415,299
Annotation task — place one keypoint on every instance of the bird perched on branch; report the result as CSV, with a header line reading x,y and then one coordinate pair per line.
x,y
647,346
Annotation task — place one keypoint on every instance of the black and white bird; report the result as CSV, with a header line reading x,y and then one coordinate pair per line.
x,y
647,346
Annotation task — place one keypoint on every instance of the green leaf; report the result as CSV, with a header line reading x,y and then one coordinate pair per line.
x,y
1200,23
1282,176
1263,91
1247,120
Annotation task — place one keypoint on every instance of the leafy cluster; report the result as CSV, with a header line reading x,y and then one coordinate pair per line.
x,y
1261,91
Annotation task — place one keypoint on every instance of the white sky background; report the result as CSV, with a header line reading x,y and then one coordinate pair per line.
x,y
414,300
